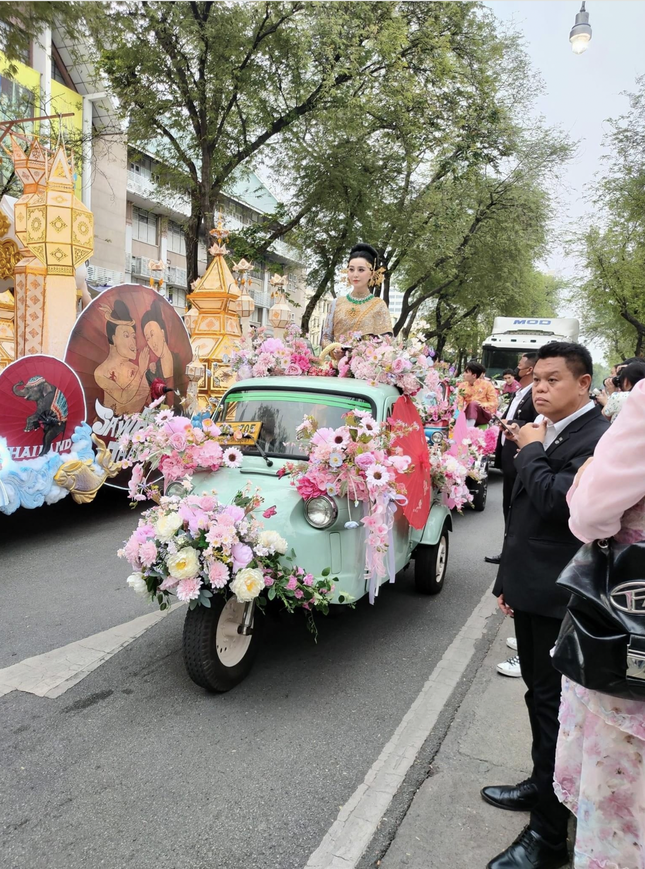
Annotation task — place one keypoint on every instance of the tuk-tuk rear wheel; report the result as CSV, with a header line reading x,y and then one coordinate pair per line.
x,y
430,564
216,656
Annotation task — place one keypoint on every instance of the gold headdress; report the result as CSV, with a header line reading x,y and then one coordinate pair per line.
x,y
107,313
378,276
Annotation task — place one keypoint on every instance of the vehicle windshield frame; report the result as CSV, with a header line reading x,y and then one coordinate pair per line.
x,y
252,450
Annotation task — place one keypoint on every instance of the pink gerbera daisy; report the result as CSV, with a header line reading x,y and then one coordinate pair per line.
x,y
377,475
232,457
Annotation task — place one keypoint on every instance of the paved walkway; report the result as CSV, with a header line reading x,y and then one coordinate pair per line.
x,y
448,825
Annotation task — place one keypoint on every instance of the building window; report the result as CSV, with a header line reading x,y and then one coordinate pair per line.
x,y
177,297
57,75
176,240
144,226
15,100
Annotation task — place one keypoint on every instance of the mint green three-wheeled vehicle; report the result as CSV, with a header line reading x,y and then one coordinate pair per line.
x,y
220,643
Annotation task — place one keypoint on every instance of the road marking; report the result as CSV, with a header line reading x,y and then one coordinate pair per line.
x,y
348,837
53,673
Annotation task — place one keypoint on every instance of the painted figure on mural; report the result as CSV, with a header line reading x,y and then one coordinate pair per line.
x,y
122,379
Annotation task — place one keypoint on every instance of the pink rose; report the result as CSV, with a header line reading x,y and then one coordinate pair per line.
x,y
298,593
242,555
293,583
364,460
177,441
400,463
307,488
309,579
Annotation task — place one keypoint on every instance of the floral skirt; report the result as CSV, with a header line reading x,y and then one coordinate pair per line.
x,y
600,777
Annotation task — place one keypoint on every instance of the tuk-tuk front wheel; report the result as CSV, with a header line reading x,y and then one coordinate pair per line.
x,y
430,564
216,655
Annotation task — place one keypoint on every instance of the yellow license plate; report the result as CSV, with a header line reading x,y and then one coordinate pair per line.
x,y
240,433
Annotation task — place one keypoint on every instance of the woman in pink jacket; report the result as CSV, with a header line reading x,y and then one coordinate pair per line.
x,y
600,761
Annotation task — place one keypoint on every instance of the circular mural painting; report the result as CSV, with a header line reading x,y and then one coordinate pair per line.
x,y
41,402
126,340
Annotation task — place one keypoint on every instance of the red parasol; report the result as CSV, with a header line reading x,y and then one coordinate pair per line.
x,y
48,402
417,484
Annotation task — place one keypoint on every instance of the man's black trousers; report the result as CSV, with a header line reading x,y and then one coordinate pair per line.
x,y
536,636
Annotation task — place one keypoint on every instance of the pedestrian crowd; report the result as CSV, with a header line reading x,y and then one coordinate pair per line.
x,y
573,465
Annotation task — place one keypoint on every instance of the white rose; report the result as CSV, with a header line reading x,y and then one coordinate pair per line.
x,y
184,563
168,524
138,583
272,542
248,584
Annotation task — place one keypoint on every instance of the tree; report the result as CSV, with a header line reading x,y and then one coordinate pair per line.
x,y
207,86
421,176
22,22
611,249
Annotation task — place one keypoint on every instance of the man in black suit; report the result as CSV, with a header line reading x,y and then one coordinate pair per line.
x,y
521,411
537,546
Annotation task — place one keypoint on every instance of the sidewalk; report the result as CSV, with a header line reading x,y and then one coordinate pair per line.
x,y
448,825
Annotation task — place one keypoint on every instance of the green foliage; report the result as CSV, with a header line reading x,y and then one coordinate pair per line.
x,y
611,250
22,22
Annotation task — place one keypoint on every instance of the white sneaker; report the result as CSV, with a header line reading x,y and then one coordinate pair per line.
x,y
511,642
510,667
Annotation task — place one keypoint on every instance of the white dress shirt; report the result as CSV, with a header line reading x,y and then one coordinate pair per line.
x,y
512,409
553,429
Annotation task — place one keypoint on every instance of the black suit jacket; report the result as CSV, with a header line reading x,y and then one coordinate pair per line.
x,y
525,412
537,541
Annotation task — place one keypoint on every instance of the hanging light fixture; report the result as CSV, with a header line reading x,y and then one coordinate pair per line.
x,y
245,304
280,313
580,35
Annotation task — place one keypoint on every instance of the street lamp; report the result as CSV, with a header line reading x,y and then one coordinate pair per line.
x,y
580,35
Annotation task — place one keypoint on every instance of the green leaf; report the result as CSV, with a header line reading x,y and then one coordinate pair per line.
x,y
325,572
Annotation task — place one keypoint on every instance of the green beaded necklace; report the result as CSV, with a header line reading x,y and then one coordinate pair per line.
x,y
354,301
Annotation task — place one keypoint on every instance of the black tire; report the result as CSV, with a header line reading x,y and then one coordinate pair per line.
x,y
479,496
430,565
203,658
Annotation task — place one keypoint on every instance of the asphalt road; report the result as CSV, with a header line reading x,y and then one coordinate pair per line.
x,y
137,767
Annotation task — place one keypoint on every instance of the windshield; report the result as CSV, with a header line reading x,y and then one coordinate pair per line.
x,y
497,359
282,410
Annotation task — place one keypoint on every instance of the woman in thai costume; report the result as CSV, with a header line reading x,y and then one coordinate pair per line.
x,y
359,310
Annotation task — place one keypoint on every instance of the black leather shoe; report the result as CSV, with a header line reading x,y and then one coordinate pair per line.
x,y
531,851
516,798
493,559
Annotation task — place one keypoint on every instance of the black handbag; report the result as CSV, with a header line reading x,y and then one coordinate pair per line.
x,y
602,639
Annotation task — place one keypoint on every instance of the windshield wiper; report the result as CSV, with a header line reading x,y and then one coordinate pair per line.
x,y
263,454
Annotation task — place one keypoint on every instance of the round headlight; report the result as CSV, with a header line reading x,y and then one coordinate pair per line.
x,y
321,512
176,488
437,437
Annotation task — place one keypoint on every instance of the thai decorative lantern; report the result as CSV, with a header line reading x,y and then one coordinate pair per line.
x,y
216,331
245,304
280,313
157,272
59,231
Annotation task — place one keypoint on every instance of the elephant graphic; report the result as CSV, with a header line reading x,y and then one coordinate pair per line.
x,y
51,408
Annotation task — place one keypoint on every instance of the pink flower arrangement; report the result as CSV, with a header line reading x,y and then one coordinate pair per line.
x,y
260,356
195,547
359,461
379,360
448,475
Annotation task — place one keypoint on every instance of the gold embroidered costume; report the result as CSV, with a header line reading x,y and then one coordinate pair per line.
x,y
369,318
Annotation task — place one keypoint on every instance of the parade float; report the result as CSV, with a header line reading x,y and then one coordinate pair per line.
x,y
69,383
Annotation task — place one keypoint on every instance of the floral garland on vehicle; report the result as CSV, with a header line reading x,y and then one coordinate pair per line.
x,y
448,475
194,547
260,355
176,447
359,461
380,360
